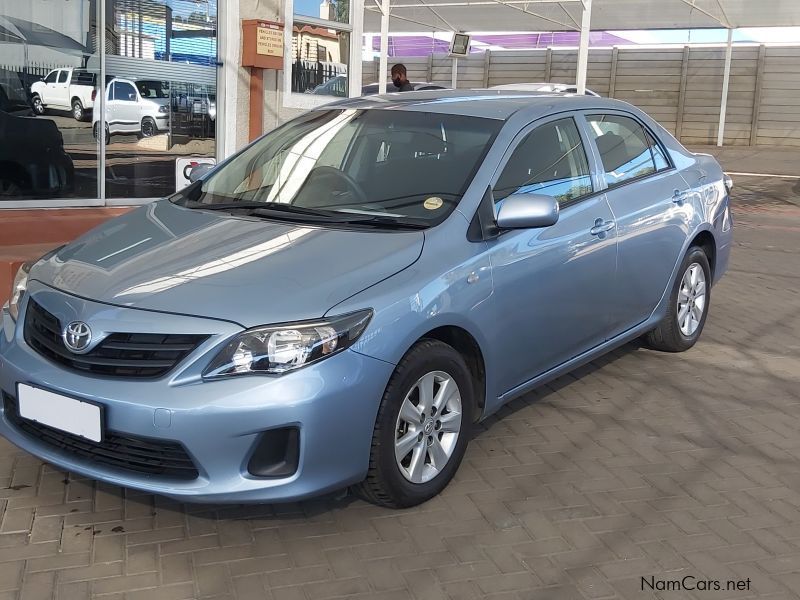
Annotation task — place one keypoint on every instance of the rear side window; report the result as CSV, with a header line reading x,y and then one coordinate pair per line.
x,y
83,78
62,76
623,146
658,154
551,160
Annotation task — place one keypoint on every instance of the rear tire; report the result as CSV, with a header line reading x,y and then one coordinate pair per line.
x,y
689,302
11,187
38,107
96,133
422,429
78,113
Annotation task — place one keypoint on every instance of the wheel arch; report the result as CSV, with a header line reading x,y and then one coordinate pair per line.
x,y
15,171
705,240
463,342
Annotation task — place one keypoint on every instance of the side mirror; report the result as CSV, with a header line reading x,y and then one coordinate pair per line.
x,y
197,171
526,211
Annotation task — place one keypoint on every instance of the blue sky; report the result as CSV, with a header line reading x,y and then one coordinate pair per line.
x,y
307,7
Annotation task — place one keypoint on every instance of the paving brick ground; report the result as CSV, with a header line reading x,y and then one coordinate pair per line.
x,y
639,465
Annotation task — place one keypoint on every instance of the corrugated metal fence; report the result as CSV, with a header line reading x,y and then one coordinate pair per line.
x,y
679,86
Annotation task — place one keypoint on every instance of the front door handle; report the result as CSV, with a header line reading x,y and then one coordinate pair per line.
x,y
601,227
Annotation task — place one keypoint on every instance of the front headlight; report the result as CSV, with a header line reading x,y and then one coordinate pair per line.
x,y
277,349
163,109
18,289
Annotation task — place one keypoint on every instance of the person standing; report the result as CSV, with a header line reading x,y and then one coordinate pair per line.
x,y
400,78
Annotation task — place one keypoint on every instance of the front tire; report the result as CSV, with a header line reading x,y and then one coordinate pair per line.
x,y
689,301
423,427
149,128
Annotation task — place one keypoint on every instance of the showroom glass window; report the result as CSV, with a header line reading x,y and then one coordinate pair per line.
x,y
161,58
626,150
47,92
320,53
551,160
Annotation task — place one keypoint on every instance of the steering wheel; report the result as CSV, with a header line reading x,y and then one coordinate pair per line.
x,y
326,176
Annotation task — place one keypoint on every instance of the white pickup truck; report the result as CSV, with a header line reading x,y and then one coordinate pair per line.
x,y
65,89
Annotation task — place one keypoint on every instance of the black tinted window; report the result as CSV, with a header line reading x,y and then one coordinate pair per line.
x,y
124,91
62,76
551,160
82,78
623,148
51,77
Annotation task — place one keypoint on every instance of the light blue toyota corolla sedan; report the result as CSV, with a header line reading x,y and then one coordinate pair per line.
x,y
340,302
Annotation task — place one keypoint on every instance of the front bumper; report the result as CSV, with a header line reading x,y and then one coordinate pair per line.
x,y
333,404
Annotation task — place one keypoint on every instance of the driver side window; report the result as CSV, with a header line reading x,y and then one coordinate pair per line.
x,y
551,161
51,77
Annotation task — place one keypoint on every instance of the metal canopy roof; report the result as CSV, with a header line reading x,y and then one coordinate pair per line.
x,y
565,15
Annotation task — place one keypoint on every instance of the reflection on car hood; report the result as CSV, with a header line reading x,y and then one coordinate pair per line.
x,y
252,272
157,101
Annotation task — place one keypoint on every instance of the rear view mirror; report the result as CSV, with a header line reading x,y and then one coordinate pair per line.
x,y
526,211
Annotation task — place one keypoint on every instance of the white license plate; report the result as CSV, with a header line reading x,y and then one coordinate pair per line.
x,y
57,411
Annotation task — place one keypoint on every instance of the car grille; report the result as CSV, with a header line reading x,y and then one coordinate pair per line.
x,y
134,355
147,456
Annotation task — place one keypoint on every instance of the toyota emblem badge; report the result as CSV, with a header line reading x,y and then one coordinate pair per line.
x,y
77,336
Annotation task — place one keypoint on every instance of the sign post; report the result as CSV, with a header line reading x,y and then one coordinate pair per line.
x,y
262,48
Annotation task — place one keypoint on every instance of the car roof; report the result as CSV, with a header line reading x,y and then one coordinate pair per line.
x,y
487,103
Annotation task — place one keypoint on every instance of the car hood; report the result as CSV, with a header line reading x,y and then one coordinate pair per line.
x,y
156,102
167,258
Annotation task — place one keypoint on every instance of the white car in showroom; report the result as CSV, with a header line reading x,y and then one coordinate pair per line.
x,y
139,107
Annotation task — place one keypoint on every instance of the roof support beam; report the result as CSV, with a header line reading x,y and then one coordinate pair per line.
x,y
583,47
385,9
691,3
524,10
725,80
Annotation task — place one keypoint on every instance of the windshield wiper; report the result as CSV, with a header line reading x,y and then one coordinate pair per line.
x,y
388,222
281,210
256,207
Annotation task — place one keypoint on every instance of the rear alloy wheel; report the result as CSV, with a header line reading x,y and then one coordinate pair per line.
x,y
9,188
96,133
38,107
148,127
681,327
422,429
77,110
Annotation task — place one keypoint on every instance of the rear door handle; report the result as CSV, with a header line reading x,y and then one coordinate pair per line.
x,y
679,197
601,226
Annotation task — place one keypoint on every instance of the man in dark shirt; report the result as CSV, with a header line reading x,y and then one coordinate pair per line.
x,y
400,78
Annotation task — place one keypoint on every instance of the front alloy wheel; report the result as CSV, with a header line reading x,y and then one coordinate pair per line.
x,y
148,127
422,428
427,427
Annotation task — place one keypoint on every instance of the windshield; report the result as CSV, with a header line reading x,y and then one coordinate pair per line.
x,y
153,89
409,166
